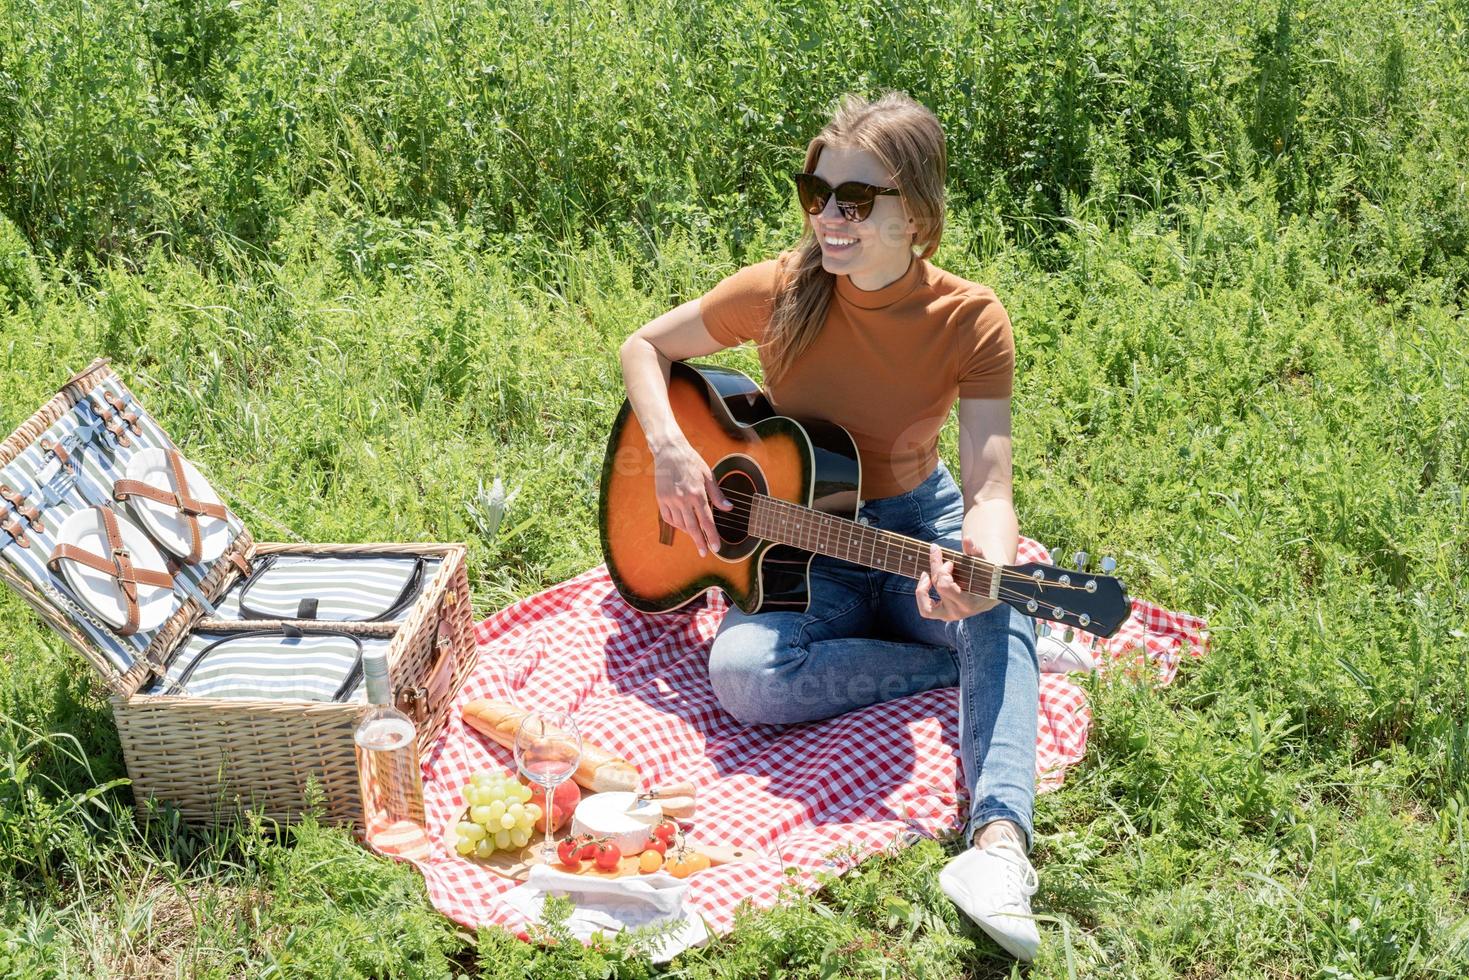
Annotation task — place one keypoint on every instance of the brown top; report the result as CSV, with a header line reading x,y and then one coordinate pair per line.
x,y
888,363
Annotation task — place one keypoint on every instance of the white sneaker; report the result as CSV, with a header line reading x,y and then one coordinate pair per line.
x,y
993,885
1057,656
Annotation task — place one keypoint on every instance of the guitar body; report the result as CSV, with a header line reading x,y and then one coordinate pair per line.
x,y
749,449
799,484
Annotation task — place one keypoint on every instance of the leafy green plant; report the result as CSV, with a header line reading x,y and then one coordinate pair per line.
x,y
363,259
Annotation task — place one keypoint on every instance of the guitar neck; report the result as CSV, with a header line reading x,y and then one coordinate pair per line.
x,y
812,530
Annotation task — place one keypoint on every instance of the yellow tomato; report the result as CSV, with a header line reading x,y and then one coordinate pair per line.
x,y
681,864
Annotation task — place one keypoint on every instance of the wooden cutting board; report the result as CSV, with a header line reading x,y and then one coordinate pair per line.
x,y
516,864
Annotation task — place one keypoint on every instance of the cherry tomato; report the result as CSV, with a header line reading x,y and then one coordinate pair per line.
x,y
657,844
569,851
588,849
650,860
685,861
680,864
608,856
665,830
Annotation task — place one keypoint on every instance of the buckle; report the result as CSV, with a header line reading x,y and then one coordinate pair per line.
x,y
414,703
121,551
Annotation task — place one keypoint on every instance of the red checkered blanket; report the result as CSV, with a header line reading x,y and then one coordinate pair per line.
x,y
816,797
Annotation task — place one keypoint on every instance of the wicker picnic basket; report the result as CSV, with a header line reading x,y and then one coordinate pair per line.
x,y
213,758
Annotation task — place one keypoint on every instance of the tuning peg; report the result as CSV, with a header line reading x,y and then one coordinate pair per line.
x,y
1108,564
1080,557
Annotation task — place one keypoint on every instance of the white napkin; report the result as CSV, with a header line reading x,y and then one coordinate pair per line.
x,y
611,905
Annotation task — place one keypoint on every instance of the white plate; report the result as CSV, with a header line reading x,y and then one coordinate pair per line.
x,y
168,527
99,591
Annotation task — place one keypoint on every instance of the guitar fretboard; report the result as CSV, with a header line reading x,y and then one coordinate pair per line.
x,y
813,530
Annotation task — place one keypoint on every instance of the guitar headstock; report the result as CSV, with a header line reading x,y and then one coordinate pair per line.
x,y
1097,603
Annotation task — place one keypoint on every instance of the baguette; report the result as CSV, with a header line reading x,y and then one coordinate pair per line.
x,y
599,770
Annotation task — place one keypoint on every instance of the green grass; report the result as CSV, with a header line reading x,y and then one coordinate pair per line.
x,y
361,258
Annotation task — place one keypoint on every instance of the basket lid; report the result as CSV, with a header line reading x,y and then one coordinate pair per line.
x,y
67,460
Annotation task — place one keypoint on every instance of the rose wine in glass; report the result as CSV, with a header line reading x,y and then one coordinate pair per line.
x,y
547,751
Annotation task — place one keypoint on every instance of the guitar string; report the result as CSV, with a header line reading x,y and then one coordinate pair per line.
x,y
968,573
906,548
916,553
970,564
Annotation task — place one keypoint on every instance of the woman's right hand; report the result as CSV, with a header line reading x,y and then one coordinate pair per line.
x,y
686,488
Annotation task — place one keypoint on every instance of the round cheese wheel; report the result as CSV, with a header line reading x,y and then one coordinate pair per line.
x,y
620,817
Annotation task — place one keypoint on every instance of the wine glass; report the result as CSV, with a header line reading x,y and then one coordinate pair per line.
x,y
547,750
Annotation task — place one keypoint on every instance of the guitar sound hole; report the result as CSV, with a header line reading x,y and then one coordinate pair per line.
x,y
733,525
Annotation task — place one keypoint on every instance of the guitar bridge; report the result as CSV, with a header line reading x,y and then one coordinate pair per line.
x,y
665,531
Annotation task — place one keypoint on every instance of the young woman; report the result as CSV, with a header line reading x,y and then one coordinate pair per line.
x,y
855,326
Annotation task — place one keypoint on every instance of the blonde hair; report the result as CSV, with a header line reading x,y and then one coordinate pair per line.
x,y
907,139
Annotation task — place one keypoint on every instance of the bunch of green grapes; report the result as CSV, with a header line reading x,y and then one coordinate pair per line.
x,y
500,815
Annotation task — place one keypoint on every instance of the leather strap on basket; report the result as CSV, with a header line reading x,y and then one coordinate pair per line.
x,y
119,566
130,417
110,422
11,525
17,500
179,499
59,451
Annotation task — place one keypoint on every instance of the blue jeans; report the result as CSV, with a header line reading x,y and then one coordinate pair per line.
x,y
862,641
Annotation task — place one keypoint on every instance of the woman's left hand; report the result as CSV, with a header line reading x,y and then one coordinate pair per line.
x,y
953,602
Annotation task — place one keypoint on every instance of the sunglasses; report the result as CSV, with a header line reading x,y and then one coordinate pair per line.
x,y
854,199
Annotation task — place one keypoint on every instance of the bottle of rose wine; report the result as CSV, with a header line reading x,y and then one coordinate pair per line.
x,y
387,766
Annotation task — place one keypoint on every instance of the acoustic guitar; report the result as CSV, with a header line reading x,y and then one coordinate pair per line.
x,y
795,487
